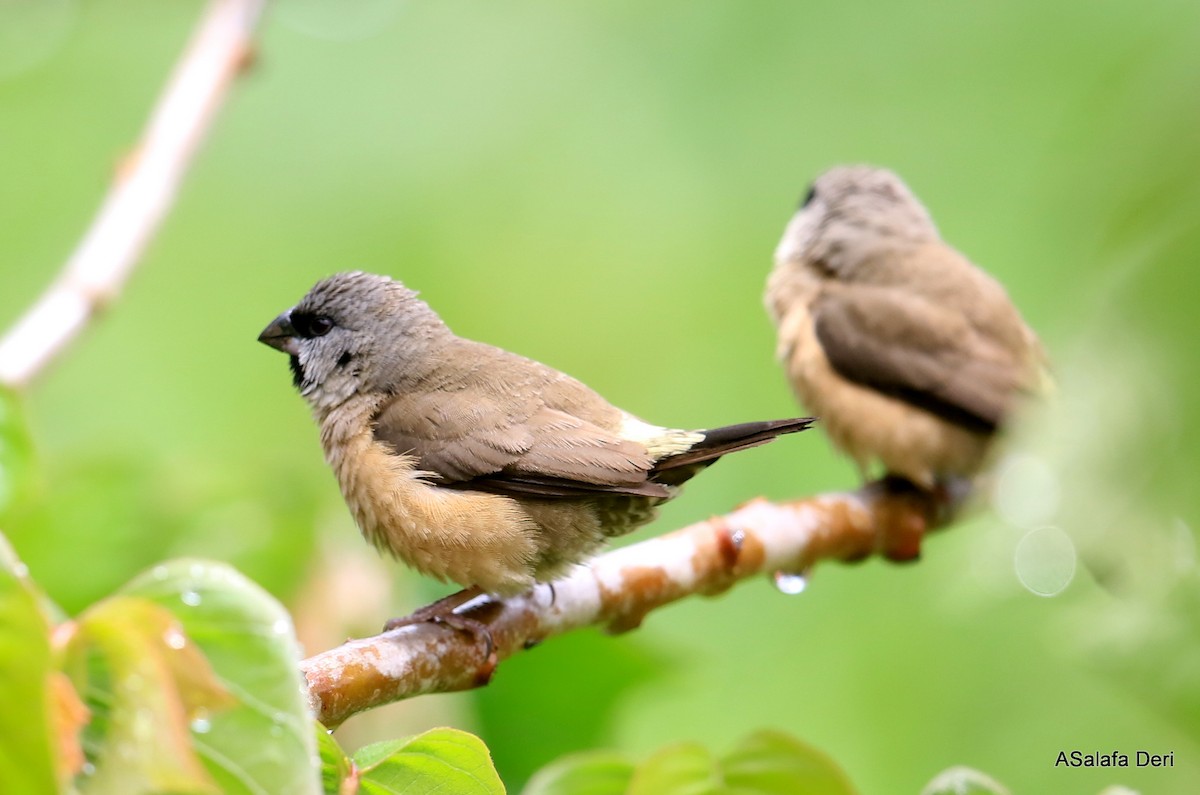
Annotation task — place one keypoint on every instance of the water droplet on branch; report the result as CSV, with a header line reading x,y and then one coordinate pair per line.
x,y
790,582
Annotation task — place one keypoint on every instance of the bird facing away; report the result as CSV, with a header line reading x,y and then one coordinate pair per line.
x,y
910,354
468,462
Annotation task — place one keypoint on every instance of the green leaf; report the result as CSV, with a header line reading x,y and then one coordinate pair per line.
x,y
16,453
146,682
438,761
10,562
765,763
335,765
589,773
771,761
682,769
27,752
963,781
264,742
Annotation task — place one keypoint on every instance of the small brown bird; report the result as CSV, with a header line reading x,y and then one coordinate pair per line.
x,y
909,353
466,461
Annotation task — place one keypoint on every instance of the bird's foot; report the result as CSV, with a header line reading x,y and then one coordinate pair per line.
x,y
909,510
902,539
466,611
905,520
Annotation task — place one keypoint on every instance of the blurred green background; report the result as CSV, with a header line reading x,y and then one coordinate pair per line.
x,y
600,186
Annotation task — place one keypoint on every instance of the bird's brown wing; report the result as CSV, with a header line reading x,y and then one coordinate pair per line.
x,y
913,349
510,441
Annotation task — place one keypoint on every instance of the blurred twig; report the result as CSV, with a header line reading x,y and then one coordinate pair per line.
x,y
141,194
619,588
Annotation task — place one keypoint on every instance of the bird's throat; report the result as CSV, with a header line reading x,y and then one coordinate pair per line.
x,y
297,372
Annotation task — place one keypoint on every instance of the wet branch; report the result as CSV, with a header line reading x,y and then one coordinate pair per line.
x,y
619,588
140,196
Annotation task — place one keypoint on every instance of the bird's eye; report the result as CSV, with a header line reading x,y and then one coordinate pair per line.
x,y
808,197
309,326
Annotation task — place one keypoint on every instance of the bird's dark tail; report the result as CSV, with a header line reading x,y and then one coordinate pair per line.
x,y
719,441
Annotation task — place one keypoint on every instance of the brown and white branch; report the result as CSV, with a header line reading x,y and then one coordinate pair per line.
x,y
619,588
141,194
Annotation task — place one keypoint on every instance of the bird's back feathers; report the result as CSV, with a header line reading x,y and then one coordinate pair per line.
x,y
508,425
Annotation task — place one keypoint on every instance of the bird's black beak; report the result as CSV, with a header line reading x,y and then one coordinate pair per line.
x,y
281,335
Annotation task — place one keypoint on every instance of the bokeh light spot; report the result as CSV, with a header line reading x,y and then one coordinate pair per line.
x,y
1045,561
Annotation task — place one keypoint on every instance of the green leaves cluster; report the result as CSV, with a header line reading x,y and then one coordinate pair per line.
x,y
186,681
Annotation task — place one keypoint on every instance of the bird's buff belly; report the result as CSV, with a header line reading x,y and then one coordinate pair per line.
x,y
464,536
496,543
868,425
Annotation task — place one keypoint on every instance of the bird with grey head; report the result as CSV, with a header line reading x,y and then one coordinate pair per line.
x,y
911,355
468,462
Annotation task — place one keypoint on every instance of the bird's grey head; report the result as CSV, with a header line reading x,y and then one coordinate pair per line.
x,y
356,333
849,214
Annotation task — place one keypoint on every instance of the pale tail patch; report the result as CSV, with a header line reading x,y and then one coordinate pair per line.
x,y
659,442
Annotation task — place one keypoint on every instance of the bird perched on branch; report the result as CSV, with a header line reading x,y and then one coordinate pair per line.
x,y
910,354
466,461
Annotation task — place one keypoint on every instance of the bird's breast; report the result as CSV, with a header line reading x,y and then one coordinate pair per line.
x,y
469,537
